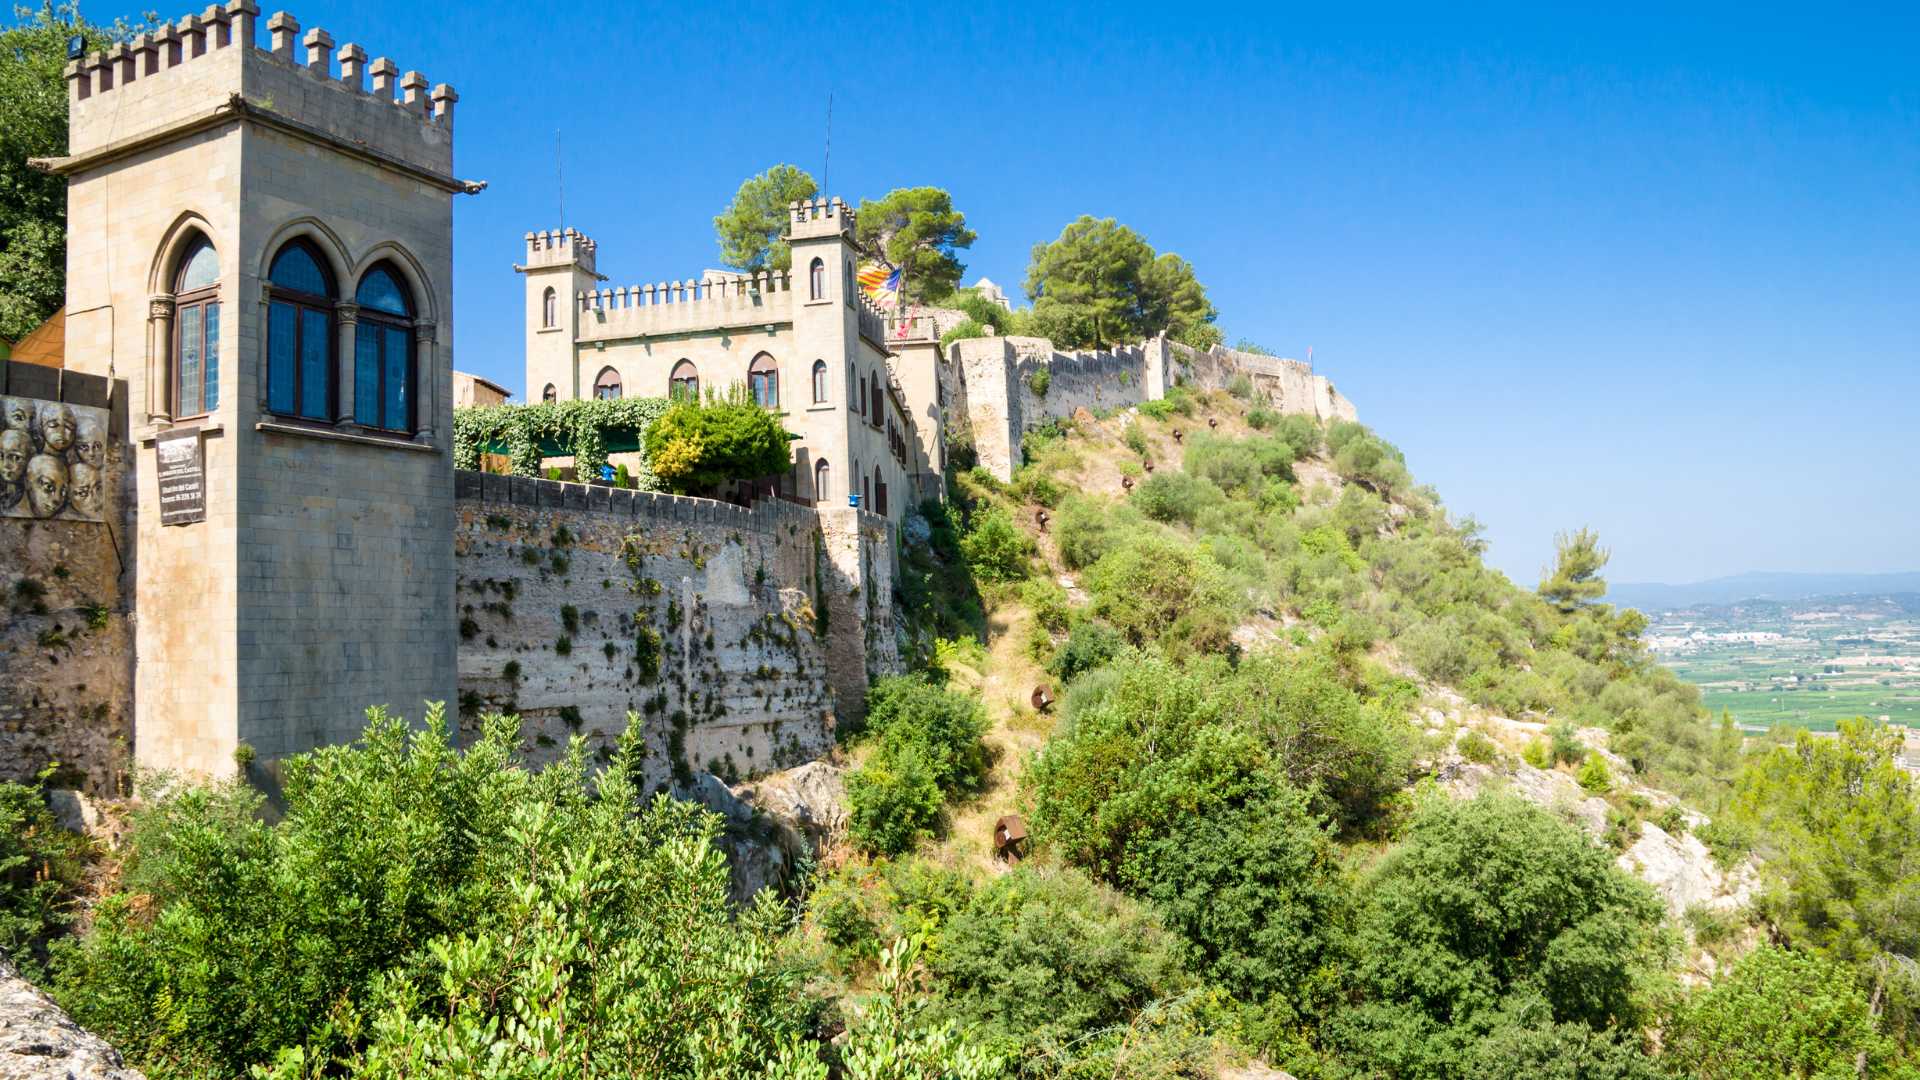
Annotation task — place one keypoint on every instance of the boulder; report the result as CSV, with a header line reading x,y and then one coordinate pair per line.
x,y
38,1041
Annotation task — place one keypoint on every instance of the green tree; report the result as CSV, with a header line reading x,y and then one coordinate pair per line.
x,y
752,229
33,123
1101,284
697,447
1780,1013
917,230
1491,907
1574,581
1836,823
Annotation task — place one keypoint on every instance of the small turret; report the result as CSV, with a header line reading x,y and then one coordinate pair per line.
x,y
819,217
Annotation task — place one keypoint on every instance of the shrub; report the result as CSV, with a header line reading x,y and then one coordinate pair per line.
x,y
1048,602
1134,438
1158,409
1143,585
1262,418
1082,532
1176,497
1241,386
1594,775
1032,484
1090,645
1567,749
893,801
1779,1012
697,447
929,748
408,913
964,329
1477,748
1301,433
994,548
1039,380
41,872
1488,907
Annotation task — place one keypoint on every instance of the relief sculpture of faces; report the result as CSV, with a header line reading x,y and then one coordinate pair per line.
x,y
90,445
16,414
16,446
56,427
84,491
46,485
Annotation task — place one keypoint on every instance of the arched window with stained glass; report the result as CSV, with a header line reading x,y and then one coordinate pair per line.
x,y
300,302
383,351
195,378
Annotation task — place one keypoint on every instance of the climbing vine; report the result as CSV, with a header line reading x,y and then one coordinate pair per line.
x,y
579,428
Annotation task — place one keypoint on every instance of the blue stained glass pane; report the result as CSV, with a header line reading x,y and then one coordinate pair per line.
x,y
282,323
212,363
366,374
294,268
379,291
192,327
314,363
201,271
399,392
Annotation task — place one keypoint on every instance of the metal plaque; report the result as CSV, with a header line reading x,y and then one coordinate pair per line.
x,y
182,475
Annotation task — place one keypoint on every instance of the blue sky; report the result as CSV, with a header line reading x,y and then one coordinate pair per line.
x,y
1654,273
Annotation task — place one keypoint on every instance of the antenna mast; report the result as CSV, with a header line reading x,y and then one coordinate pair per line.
x,y
560,178
826,168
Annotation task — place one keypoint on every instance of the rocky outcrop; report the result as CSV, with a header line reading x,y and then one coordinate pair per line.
x,y
38,1041
1683,872
776,822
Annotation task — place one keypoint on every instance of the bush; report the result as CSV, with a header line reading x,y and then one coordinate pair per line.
x,y
1491,907
893,801
1241,386
1262,418
698,447
1090,645
1477,748
1134,438
1779,1012
929,749
1567,749
411,910
1176,497
1082,532
994,548
1594,776
1039,380
1146,583
41,872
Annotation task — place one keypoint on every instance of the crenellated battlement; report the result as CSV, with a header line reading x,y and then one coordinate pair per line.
x,y
191,68
819,217
561,247
671,307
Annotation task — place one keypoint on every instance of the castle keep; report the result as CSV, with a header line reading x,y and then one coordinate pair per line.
x,y
232,523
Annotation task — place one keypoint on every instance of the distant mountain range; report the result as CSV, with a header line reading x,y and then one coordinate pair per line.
x,y
1758,585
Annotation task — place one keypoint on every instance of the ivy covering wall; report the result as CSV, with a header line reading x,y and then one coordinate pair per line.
x,y
587,430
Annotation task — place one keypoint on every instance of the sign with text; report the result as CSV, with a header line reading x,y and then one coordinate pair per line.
x,y
182,475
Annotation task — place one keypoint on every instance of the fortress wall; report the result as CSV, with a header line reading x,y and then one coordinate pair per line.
x,y
578,604
1288,386
66,635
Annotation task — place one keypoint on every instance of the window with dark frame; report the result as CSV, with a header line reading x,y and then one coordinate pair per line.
x,y
822,474
606,385
763,381
549,308
196,331
383,352
819,382
684,384
300,349
817,280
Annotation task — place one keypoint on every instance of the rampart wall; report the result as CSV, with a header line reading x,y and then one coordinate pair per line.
x,y
738,636
1288,386
66,637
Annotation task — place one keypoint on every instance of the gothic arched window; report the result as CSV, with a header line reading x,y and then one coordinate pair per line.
x,y
196,331
817,280
549,394
549,308
606,385
383,351
763,380
819,382
822,475
300,352
684,384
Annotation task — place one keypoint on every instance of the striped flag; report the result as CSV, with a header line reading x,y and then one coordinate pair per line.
x,y
881,284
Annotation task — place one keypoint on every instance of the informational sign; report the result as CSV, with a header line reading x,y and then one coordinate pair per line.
x,y
53,460
182,475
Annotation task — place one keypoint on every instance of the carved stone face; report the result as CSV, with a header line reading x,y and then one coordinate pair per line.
x,y
46,485
15,448
84,493
91,443
16,414
56,427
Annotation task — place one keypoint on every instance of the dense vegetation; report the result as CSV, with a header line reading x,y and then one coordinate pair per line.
x,y
1238,848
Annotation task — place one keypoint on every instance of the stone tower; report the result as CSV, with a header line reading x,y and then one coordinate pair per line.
x,y
559,267
261,244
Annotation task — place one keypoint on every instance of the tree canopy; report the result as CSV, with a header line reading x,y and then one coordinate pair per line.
x,y
697,447
33,123
917,230
751,229
1575,581
1101,283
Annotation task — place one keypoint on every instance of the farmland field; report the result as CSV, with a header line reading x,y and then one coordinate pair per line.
x,y
1804,664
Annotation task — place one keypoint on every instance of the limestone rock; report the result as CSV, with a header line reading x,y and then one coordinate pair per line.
x,y
1682,871
775,822
73,810
40,1042
810,799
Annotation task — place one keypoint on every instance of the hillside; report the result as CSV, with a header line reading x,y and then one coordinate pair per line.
x,y
1311,791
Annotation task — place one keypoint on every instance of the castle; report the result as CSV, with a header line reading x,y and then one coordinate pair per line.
x,y
245,526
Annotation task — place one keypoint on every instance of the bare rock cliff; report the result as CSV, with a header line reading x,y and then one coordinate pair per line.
x,y
38,1041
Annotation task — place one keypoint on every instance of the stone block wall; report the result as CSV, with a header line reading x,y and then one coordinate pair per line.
x,y
579,604
1288,386
66,636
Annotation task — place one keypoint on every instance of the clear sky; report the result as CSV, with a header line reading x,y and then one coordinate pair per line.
x,y
1651,272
